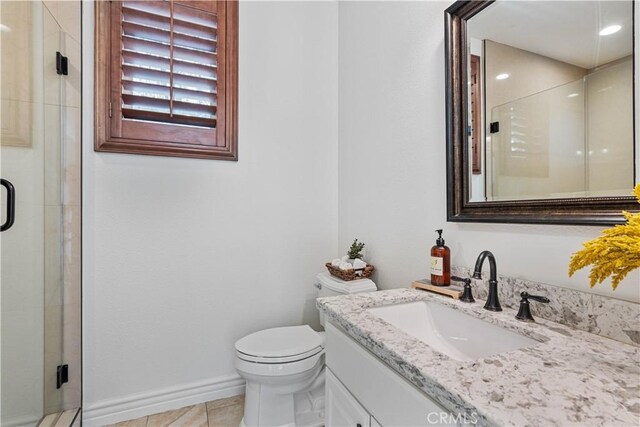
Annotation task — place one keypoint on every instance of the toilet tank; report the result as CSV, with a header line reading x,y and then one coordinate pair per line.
x,y
329,286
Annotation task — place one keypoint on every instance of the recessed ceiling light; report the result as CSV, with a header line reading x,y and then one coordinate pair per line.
x,y
502,76
610,30
573,95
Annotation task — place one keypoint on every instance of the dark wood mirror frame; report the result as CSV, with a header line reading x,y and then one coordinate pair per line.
x,y
578,211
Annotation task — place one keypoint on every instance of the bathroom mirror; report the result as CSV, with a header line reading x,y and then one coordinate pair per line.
x,y
540,111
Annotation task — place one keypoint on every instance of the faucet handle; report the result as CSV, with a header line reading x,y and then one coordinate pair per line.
x,y
524,313
466,281
467,295
525,295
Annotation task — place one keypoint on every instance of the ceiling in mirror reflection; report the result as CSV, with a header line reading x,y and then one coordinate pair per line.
x,y
567,31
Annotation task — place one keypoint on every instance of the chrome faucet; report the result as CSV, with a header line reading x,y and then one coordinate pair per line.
x,y
492,304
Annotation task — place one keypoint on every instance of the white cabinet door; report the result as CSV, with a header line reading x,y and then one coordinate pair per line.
x,y
387,396
341,408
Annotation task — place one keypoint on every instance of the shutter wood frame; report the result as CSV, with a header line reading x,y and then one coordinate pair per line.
x,y
144,137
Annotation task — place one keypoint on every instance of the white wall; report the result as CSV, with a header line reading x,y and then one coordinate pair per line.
x,y
392,158
391,131
183,257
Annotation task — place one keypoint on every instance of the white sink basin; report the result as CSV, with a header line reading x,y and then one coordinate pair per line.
x,y
451,332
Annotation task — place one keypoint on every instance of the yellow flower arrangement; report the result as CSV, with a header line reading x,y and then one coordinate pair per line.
x,y
615,253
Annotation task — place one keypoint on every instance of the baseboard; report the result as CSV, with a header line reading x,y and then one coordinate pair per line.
x,y
23,421
112,411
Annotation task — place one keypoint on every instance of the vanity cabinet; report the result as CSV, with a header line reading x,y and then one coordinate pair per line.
x,y
363,390
341,408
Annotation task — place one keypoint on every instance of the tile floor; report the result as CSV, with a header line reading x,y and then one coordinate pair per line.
x,y
66,418
219,413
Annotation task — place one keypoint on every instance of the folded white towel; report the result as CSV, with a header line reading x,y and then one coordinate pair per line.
x,y
336,262
344,258
345,266
358,263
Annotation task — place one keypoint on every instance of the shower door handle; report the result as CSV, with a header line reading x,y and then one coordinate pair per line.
x,y
11,204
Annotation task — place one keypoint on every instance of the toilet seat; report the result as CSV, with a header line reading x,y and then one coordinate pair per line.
x,y
280,345
274,360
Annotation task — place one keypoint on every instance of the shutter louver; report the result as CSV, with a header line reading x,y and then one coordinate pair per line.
x,y
169,63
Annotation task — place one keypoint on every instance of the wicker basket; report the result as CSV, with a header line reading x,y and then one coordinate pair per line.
x,y
350,274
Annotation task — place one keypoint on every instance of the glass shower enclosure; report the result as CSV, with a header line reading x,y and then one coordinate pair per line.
x,y
39,241
566,141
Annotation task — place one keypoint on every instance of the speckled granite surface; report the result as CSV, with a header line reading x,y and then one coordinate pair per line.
x,y
609,317
571,378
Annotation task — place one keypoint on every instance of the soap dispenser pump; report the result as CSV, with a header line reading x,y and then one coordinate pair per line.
x,y
440,263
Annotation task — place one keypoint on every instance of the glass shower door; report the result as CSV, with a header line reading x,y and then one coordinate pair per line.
x,y
31,273
538,151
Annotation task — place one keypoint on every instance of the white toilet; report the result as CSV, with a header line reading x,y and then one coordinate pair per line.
x,y
284,367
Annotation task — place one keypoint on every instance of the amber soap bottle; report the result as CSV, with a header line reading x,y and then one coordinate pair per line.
x,y
440,263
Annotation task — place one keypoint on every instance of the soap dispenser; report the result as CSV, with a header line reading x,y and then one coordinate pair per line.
x,y
440,263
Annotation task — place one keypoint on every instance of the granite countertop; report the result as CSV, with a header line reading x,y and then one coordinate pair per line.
x,y
571,377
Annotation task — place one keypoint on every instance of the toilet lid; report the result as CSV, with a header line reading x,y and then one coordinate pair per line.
x,y
280,342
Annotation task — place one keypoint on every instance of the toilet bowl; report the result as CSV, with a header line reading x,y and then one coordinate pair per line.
x,y
284,367
283,370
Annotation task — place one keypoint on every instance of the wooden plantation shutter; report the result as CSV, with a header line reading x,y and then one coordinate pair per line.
x,y
171,68
168,62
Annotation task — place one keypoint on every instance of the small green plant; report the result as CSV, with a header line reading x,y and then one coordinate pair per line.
x,y
355,251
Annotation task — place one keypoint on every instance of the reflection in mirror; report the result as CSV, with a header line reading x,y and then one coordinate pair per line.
x,y
550,102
